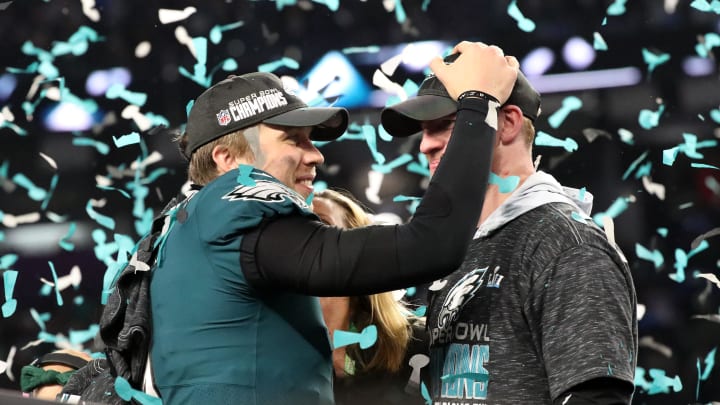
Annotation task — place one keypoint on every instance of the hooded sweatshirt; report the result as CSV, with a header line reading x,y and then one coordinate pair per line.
x,y
541,303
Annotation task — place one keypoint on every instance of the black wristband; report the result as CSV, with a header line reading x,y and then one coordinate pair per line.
x,y
477,94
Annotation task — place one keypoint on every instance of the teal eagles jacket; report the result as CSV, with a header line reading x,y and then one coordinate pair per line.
x,y
216,340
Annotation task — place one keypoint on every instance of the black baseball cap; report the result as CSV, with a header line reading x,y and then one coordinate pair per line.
x,y
433,102
243,101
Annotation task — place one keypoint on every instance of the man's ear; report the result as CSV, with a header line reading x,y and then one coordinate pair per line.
x,y
510,125
224,160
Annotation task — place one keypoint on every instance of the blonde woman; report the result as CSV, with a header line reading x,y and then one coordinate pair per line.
x,y
381,373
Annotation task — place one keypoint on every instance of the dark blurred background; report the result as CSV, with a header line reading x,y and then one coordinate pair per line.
x,y
71,81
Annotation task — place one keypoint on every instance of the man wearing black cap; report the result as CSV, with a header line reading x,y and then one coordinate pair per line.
x,y
543,308
234,320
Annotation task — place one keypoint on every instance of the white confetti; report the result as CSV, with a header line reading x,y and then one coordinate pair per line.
x,y
88,8
12,221
168,16
184,38
50,160
389,66
143,49
710,277
656,189
383,82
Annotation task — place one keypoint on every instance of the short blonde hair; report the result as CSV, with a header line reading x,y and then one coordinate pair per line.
x,y
202,168
528,129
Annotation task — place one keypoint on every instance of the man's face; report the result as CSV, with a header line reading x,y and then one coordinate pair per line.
x,y
288,154
435,137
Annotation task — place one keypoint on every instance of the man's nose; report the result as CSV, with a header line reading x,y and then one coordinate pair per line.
x,y
313,156
430,142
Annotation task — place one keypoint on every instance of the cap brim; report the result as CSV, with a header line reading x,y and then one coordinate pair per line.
x,y
404,119
328,122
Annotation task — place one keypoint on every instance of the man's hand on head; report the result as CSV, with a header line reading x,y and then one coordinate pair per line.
x,y
478,67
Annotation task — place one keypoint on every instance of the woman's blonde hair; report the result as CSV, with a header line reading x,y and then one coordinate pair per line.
x,y
202,168
382,310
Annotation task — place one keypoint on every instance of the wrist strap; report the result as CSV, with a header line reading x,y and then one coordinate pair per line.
x,y
477,94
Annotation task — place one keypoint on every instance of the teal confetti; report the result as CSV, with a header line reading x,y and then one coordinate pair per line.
x,y
282,3
654,60
599,43
425,394
58,297
579,217
227,65
102,148
420,167
410,291
127,392
366,338
569,105
34,192
706,44
545,139
660,384
524,23
125,140
685,205
634,164
309,199
13,127
188,107
78,300
655,256
64,242
319,186
121,191
103,220
50,192
78,337
118,90
395,163
477,377
415,202
383,134
243,177
216,31
369,134
420,311
704,375
649,119
689,148
703,166
333,5
154,175
643,170
10,305
8,260
111,275
617,8
282,62
662,232
702,5
400,15
39,319
361,49
199,74
616,208
505,185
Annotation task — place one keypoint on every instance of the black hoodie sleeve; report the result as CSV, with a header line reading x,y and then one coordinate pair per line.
x,y
305,256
